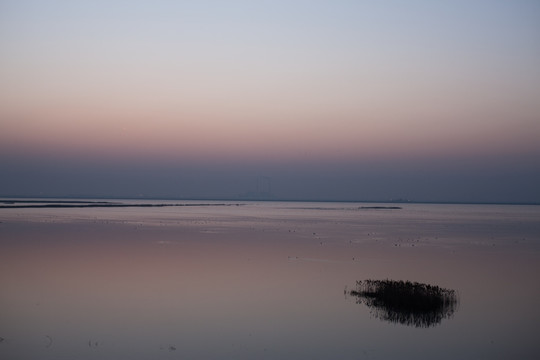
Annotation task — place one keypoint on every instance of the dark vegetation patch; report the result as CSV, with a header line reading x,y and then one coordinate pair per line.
x,y
405,302
355,208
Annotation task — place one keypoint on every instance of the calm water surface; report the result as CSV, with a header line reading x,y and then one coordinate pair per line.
x,y
263,280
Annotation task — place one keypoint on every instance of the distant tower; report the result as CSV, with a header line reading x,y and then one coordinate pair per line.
x,y
263,190
264,187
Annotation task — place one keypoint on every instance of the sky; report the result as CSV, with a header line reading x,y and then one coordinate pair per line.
x,y
318,100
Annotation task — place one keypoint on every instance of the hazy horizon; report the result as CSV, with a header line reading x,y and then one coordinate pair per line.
x,y
319,100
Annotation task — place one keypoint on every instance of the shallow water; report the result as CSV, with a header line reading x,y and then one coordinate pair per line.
x,y
263,280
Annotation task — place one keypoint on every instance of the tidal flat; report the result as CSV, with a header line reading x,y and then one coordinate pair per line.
x,y
268,280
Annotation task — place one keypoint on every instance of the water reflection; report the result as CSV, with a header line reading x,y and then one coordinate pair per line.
x,y
231,282
405,302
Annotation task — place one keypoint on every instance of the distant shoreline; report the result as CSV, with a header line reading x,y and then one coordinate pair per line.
x,y
37,204
102,201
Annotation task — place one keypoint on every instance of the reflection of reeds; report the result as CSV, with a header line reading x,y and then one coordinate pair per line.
x,y
405,302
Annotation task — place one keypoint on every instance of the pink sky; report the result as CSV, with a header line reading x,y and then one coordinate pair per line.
x,y
272,81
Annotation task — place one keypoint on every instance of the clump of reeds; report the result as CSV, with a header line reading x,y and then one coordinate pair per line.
x,y
405,302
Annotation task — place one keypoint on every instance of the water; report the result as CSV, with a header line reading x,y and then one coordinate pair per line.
x,y
263,280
